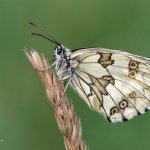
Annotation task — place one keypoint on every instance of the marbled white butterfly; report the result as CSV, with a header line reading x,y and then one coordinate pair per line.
x,y
114,83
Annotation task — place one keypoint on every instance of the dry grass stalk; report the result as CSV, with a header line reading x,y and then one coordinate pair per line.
x,y
68,123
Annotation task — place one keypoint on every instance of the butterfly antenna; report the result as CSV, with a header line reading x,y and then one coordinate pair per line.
x,y
48,37
41,35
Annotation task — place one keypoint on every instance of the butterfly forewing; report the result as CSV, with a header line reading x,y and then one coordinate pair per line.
x,y
114,83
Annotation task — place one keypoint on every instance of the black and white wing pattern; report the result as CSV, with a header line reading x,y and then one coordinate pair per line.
x,y
113,83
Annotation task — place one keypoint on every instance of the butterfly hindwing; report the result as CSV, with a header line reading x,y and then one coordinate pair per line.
x,y
114,83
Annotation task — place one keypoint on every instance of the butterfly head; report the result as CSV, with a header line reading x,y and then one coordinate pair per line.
x,y
61,52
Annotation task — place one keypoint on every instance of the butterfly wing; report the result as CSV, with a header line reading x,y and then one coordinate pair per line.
x,y
114,83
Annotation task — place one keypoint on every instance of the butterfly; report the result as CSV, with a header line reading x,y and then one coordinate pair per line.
x,y
114,83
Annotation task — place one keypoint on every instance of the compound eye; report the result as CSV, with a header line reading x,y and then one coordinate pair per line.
x,y
59,50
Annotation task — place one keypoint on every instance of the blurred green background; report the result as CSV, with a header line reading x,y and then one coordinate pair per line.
x,y
27,120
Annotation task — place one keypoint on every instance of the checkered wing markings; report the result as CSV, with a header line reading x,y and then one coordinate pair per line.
x,y
121,100
83,85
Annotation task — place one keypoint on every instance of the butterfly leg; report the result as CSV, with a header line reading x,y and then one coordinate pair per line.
x,y
66,87
63,94
43,69
47,67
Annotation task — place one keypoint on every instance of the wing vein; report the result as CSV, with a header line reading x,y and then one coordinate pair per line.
x,y
135,89
94,93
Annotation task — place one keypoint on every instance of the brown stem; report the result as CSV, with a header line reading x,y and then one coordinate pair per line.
x,y
68,123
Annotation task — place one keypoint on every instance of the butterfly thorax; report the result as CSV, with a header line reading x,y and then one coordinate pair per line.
x,y
63,66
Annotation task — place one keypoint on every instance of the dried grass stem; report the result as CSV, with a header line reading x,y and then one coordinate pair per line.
x,y
68,123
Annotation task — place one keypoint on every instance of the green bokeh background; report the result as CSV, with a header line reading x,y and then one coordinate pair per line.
x,y
27,120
